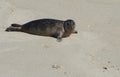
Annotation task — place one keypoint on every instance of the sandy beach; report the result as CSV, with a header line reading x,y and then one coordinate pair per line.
x,y
93,52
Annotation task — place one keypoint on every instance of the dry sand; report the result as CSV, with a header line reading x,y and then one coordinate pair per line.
x,y
93,52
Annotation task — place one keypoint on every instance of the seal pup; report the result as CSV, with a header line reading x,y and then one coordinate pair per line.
x,y
46,27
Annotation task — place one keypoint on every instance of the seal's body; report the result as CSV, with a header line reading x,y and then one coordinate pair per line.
x,y
46,27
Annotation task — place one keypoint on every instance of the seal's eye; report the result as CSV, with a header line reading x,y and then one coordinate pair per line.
x,y
68,24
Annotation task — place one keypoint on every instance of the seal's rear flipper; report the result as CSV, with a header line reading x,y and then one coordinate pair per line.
x,y
14,27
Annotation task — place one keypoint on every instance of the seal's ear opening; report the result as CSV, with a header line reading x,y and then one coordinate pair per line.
x,y
69,24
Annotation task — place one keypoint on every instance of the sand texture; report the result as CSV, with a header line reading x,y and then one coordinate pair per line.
x,y
93,52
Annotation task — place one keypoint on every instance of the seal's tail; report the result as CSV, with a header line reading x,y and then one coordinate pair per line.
x,y
14,27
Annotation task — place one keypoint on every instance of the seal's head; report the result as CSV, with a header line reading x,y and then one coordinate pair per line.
x,y
69,25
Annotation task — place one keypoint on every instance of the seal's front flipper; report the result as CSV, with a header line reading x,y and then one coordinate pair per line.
x,y
60,32
59,39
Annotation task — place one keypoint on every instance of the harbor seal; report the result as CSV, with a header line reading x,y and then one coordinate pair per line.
x,y
46,27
